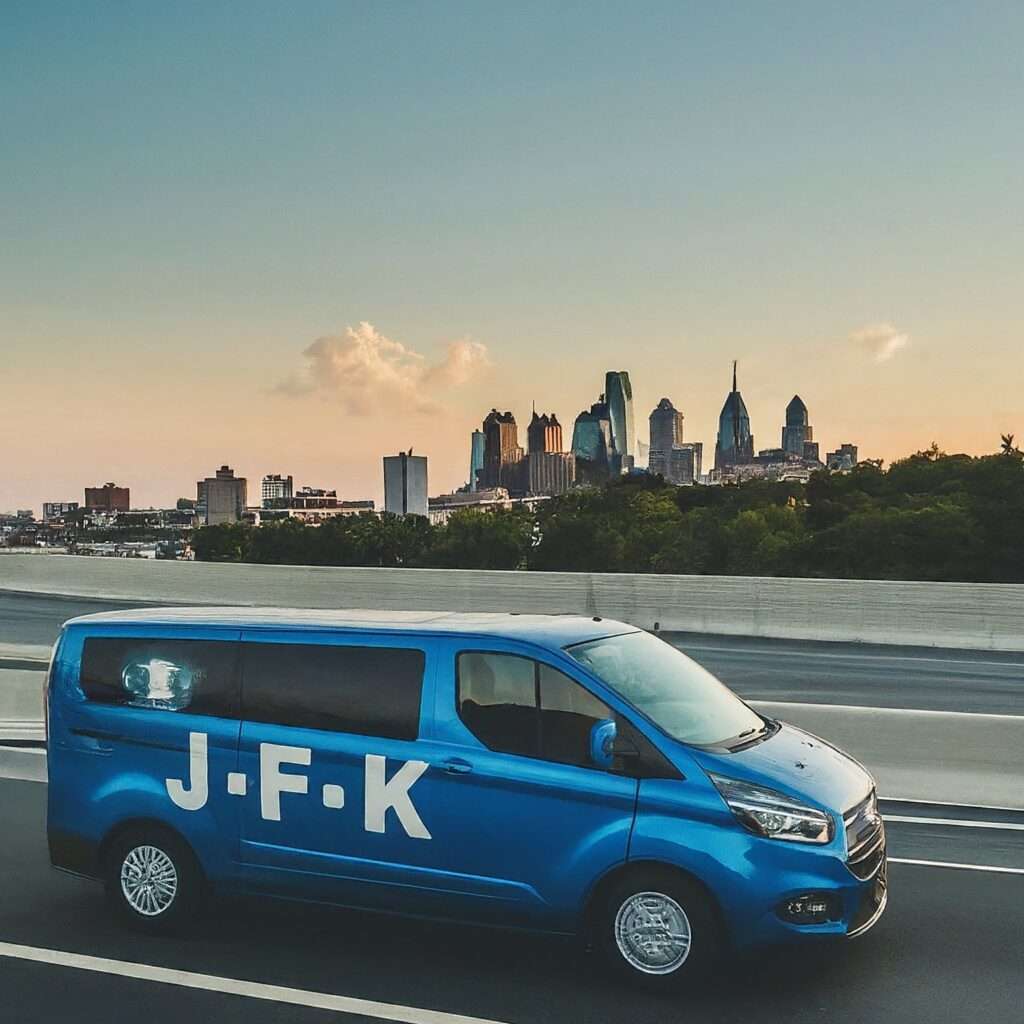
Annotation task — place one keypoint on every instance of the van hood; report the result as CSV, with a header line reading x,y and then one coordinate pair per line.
x,y
797,763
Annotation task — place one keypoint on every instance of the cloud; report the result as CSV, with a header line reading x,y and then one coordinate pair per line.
x,y
881,341
362,369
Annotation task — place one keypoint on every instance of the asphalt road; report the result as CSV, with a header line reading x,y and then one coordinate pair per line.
x,y
864,675
949,949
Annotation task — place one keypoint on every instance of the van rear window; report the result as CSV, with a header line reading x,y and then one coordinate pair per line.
x,y
198,676
369,691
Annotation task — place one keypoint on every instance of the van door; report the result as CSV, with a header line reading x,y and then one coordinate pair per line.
x,y
332,755
527,820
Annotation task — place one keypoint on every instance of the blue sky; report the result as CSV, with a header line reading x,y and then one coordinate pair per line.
x,y
192,194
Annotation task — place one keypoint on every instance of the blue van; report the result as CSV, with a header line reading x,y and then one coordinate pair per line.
x,y
560,773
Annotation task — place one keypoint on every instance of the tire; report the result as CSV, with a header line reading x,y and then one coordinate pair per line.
x,y
153,881
637,915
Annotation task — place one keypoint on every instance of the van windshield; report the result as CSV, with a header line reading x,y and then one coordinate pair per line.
x,y
679,696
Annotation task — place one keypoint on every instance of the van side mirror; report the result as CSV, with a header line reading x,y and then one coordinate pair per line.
x,y
602,743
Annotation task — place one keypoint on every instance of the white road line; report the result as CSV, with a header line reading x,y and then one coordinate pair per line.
x,y
967,662
1009,826
883,711
954,864
237,987
946,803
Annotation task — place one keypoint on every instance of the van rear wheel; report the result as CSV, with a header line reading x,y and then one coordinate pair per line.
x,y
153,881
658,929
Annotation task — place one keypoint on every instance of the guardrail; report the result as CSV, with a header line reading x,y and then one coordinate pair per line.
x,y
967,615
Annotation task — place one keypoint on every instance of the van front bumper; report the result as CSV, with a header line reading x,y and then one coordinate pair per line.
x,y
857,905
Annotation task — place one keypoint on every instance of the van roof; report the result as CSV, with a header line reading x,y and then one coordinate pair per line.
x,y
548,630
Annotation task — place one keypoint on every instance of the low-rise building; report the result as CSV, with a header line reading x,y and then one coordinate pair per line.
x,y
58,509
443,506
275,487
108,498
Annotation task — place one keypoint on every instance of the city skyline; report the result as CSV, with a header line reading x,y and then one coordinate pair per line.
x,y
509,462
227,240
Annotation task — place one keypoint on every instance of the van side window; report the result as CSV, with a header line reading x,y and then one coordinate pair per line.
x,y
198,676
519,706
368,691
498,701
568,712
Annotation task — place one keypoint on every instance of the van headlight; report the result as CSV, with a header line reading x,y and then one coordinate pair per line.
x,y
774,815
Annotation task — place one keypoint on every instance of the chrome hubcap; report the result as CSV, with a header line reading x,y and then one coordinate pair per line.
x,y
149,880
653,933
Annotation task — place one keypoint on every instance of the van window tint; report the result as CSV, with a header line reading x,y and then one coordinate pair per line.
x,y
198,676
519,706
498,701
370,691
568,712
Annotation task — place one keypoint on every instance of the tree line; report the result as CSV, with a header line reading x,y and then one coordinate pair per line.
x,y
930,516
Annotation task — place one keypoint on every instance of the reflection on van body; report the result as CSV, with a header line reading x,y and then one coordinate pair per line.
x,y
558,773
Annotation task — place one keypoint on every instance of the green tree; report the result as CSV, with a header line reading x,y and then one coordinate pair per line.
x,y
226,542
481,539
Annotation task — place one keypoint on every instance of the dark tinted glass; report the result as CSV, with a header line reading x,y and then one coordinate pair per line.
x,y
498,701
568,712
198,676
519,706
370,691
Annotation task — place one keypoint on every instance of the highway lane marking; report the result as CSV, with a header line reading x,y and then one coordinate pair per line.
x,y
885,711
947,803
967,662
1008,826
954,864
236,987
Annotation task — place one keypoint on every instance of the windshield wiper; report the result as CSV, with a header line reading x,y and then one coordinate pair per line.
x,y
750,736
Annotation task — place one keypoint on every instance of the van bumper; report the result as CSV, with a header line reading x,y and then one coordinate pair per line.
x,y
858,906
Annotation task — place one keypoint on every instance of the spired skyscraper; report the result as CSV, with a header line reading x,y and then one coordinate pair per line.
x,y
735,445
618,395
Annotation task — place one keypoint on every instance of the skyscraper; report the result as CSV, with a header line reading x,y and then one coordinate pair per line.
x,y
550,472
797,431
666,427
503,455
405,484
476,458
670,457
735,444
592,439
544,434
618,393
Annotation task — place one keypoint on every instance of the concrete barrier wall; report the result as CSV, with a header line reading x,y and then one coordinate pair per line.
x,y
968,615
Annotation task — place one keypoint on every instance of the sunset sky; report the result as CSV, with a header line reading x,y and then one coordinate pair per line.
x,y
295,238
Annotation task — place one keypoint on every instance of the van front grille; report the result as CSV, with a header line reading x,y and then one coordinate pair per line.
x,y
865,838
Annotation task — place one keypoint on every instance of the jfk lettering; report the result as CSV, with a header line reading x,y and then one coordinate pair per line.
x,y
382,794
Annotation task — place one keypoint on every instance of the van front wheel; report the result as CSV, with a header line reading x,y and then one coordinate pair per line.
x,y
153,881
658,929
